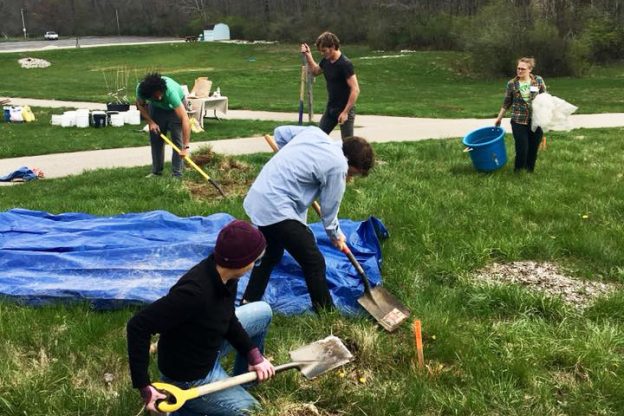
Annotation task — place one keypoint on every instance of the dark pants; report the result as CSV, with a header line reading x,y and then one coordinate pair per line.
x,y
167,120
299,240
527,143
330,120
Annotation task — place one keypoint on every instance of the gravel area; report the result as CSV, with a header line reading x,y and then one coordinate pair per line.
x,y
546,278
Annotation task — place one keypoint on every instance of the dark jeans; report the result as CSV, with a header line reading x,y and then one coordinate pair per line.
x,y
299,240
167,120
330,120
527,143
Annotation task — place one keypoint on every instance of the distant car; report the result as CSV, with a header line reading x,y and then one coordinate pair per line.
x,y
51,36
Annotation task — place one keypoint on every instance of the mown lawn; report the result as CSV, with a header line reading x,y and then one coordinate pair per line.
x,y
266,77
40,137
488,349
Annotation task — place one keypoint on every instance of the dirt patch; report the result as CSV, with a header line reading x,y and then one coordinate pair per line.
x,y
234,176
29,63
546,278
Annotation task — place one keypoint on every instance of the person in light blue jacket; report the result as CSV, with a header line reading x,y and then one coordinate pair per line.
x,y
309,165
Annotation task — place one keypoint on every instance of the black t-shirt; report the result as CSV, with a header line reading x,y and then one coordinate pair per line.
x,y
336,75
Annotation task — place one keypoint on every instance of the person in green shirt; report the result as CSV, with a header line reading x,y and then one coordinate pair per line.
x,y
161,102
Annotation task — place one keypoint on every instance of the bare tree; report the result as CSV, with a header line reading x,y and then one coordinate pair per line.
x,y
195,8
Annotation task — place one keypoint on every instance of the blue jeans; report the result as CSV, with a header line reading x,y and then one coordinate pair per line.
x,y
255,318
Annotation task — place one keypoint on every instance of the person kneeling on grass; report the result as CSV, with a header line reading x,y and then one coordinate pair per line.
x,y
165,112
309,165
198,326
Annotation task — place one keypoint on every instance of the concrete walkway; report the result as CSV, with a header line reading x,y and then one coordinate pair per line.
x,y
374,128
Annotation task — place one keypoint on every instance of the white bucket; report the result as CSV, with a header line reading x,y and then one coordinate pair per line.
x,y
132,117
56,119
16,114
69,119
117,120
82,120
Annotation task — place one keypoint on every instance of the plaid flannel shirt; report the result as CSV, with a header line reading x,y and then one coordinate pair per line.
x,y
520,109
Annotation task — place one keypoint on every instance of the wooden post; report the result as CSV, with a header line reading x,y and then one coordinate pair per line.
x,y
419,347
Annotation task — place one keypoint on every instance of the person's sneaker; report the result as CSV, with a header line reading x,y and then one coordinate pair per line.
x,y
152,175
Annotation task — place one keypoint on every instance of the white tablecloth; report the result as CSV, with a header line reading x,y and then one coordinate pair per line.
x,y
204,105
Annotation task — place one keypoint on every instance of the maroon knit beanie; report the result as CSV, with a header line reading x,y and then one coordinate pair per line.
x,y
238,244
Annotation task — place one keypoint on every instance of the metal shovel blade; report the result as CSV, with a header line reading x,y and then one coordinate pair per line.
x,y
384,307
321,356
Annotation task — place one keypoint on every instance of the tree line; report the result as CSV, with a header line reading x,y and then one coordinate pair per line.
x,y
566,36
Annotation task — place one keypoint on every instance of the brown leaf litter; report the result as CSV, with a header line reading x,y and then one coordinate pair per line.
x,y
547,278
234,176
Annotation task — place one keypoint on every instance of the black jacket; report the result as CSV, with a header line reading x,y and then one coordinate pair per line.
x,y
193,320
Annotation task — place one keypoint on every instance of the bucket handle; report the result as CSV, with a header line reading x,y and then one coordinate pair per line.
x,y
468,149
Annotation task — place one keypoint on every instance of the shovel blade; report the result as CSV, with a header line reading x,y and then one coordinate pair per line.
x,y
321,356
384,307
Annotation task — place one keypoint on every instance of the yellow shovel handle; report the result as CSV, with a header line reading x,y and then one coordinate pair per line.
x,y
182,396
187,158
190,162
178,395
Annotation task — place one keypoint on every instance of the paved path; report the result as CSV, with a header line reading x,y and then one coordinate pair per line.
x,y
374,128
84,42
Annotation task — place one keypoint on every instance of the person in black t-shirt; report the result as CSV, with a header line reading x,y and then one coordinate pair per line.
x,y
342,84
198,325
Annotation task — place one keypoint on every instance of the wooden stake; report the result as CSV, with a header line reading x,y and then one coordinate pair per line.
x,y
419,346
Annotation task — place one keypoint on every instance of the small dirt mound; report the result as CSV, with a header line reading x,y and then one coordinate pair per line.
x,y
548,279
207,157
234,176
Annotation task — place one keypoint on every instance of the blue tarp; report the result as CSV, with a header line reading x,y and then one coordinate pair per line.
x,y
136,258
23,173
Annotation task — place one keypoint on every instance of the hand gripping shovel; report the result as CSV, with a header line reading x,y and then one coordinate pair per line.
x,y
312,360
380,303
190,162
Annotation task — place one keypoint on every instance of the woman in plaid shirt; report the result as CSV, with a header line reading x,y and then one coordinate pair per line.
x,y
521,90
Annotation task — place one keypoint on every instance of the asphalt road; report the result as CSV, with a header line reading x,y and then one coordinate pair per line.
x,y
84,42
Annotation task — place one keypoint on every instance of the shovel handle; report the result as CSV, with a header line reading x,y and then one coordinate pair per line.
x,y
271,142
345,249
181,396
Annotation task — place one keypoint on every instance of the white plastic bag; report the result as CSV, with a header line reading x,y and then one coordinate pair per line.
x,y
551,113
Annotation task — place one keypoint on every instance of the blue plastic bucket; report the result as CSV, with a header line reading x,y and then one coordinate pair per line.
x,y
487,148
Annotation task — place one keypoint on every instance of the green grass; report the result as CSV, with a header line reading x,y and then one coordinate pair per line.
x,y
40,138
266,77
489,349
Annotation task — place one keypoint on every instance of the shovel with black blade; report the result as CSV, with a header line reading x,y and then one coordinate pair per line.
x,y
380,303
312,360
